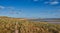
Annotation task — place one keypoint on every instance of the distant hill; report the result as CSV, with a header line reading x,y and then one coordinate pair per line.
x,y
45,20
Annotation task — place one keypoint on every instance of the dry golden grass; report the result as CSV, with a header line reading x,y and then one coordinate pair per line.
x,y
7,25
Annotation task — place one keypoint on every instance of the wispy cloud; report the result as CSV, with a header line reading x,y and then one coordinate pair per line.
x,y
13,10
2,7
10,10
52,2
35,0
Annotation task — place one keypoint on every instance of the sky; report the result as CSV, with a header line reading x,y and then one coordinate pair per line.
x,y
30,8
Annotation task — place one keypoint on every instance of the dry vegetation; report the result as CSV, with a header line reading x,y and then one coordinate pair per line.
x,y
7,25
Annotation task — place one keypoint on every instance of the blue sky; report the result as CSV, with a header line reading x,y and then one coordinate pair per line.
x,y
30,8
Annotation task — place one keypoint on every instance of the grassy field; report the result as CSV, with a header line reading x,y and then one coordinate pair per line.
x,y
7,25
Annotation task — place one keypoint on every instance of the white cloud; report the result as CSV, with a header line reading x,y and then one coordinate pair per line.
x,y
2,7
52,2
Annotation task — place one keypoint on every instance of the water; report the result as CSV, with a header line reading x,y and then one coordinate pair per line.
x,y
54,22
